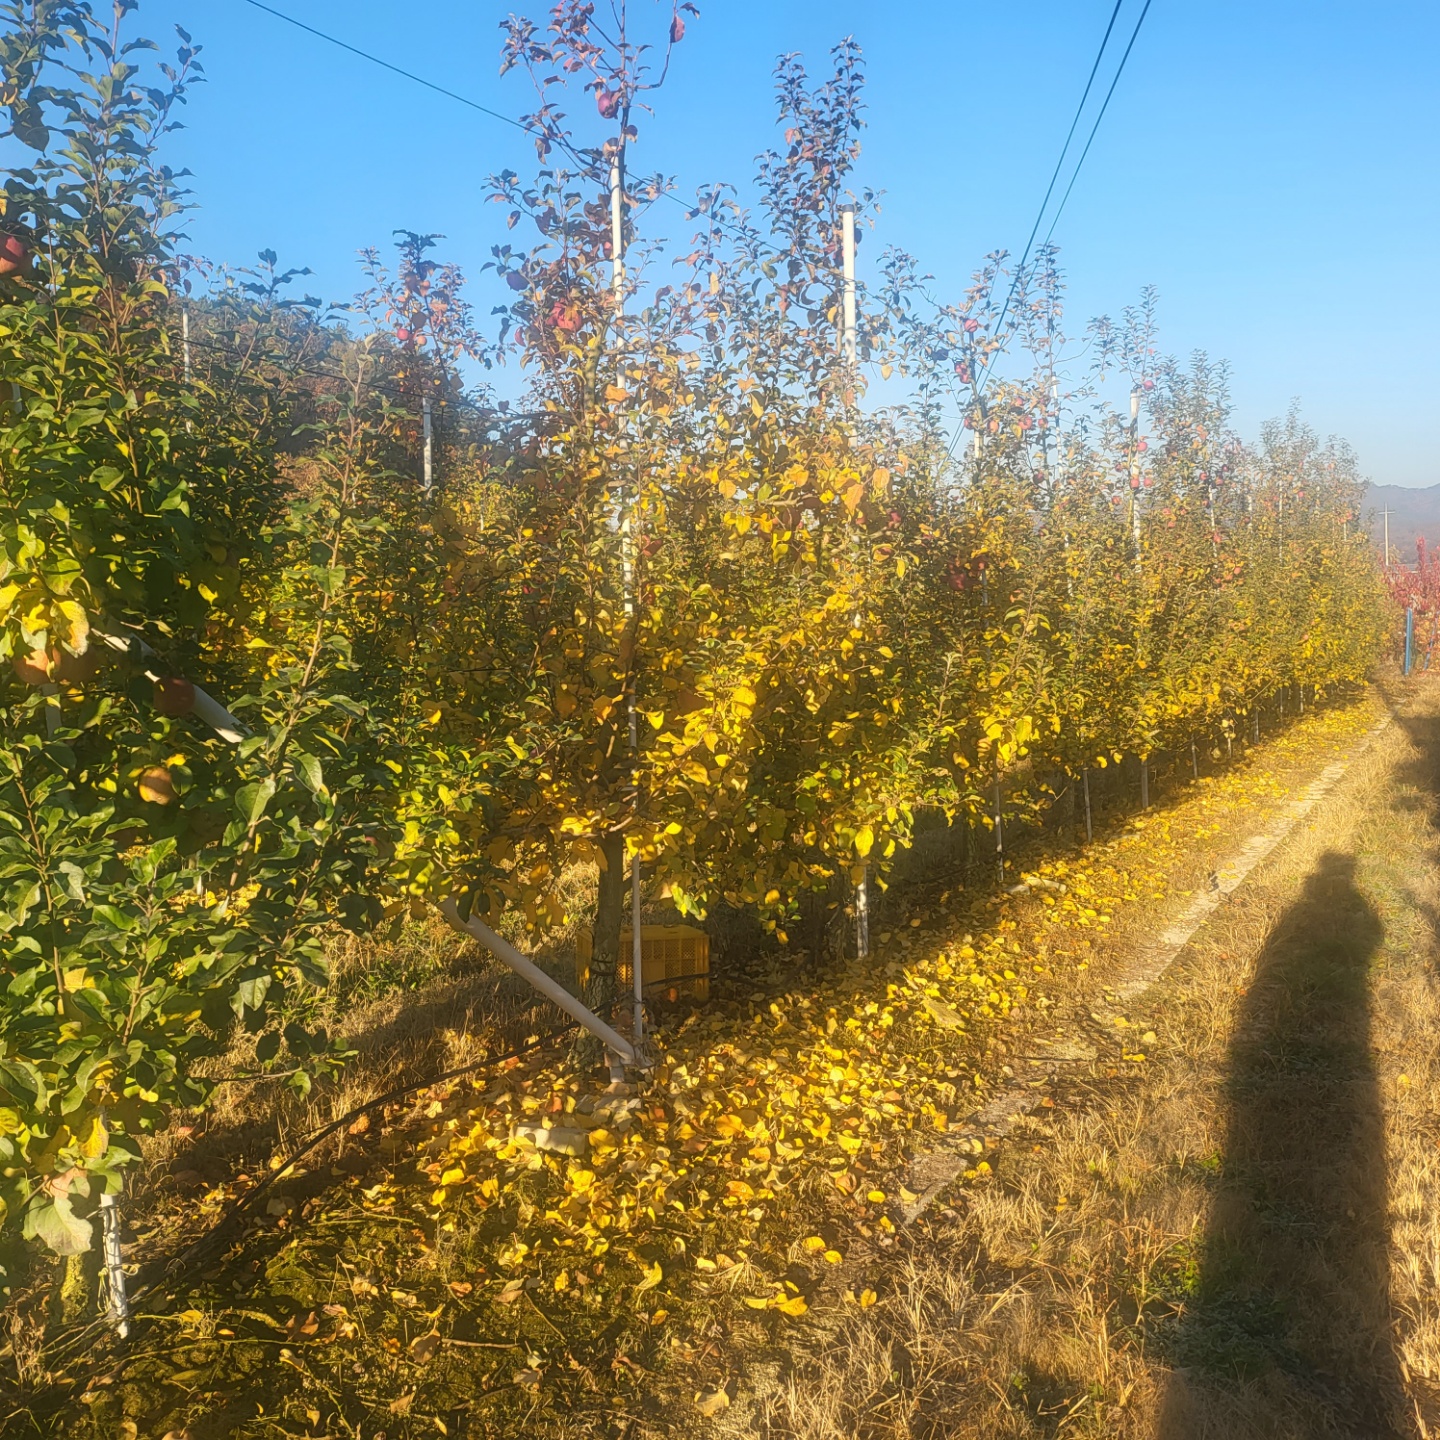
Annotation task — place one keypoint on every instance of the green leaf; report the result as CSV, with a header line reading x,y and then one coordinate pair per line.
x,y
51,1219
24,1082
250,993
113,916
310,773
251,799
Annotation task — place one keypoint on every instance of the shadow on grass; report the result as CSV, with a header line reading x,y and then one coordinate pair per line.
x,y
1290,1312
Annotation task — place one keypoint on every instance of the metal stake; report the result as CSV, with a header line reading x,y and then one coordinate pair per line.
x,y
627,563
848,348
117,1302
428,475
999,834
862,915
636,944
849,352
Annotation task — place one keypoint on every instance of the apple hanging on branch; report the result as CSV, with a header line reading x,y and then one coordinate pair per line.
x,y
155,785
14,254
174,696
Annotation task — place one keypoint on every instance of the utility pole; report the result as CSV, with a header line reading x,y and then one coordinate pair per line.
x,y
1387,513
428,461
185,353
849,353
627,562
1135,473
847,245
617,235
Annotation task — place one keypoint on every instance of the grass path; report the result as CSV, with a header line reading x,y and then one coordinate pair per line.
x,y
1243,1238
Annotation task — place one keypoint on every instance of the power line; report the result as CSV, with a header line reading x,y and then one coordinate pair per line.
x,y
692,212
395,69
1133,37
1064,150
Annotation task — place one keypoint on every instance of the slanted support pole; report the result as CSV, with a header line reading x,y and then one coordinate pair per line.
x,y
620,1051
207,707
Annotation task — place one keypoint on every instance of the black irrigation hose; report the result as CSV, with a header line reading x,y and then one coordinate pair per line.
x,y
189,1257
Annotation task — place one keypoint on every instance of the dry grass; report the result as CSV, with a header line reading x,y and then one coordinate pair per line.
x,y
1242,1241
409,1008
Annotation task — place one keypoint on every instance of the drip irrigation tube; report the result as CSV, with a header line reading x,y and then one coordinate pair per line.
x,y
187,1259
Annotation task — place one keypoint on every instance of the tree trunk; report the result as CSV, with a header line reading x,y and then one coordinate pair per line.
x,y
599,989
74,1298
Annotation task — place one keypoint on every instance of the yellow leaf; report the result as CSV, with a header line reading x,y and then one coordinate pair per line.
x,y
864,839
711,1402
653,1276
795,1305
867,1298
813,1242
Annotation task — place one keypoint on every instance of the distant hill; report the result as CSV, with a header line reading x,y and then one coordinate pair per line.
x,y
1413,511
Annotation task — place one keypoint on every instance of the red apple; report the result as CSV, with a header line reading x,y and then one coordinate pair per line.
x,y
564,317
607,102
174,697
13,254
34,668
75,669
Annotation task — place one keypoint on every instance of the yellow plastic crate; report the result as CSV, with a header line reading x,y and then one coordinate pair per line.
x,y
674,961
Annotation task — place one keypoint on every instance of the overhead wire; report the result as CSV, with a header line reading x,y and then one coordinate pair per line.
x,y
1135,35
1064,150
396,69
692,211
1055,175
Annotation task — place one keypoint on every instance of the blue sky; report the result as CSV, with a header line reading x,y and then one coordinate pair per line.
x,y
1271,167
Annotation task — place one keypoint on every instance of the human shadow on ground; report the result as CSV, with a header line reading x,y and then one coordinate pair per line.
x,y
1289,1317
